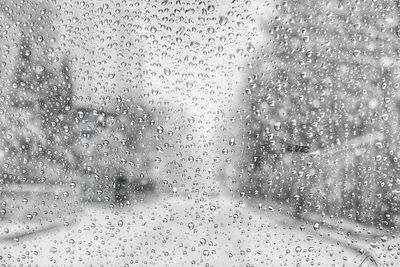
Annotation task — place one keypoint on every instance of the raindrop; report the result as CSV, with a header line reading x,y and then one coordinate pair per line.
x,y
160,129
153,29
223,20
277,126
191,225
206,252
167,72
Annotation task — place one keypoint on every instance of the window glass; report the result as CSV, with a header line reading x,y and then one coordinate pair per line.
x,y
204,133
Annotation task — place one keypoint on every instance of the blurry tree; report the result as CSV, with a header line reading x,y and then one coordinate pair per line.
x,y
37,125
328,83
47,132
38,100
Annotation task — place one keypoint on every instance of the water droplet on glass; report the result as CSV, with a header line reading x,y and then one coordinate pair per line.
x,y
222,20
191,225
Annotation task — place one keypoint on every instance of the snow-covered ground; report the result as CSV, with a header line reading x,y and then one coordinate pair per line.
x,y
172,231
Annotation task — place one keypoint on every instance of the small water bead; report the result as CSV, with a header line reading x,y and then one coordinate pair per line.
x,y
223,20
277,126
206,252
167,72
153,29
211,30
160,129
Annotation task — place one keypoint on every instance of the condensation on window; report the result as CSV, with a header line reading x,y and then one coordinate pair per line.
x,y
199,133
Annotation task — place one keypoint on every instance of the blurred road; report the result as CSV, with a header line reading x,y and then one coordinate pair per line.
x,y
209,231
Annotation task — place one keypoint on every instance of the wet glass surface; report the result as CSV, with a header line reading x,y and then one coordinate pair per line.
x,y
199,133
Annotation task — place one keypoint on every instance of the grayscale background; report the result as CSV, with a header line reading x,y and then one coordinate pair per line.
x,y
199,133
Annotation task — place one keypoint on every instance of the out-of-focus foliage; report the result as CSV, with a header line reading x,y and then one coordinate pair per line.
x,y
36,127
48,138
330,84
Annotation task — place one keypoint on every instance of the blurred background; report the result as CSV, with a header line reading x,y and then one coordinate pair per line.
x,y
327,82
292,104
